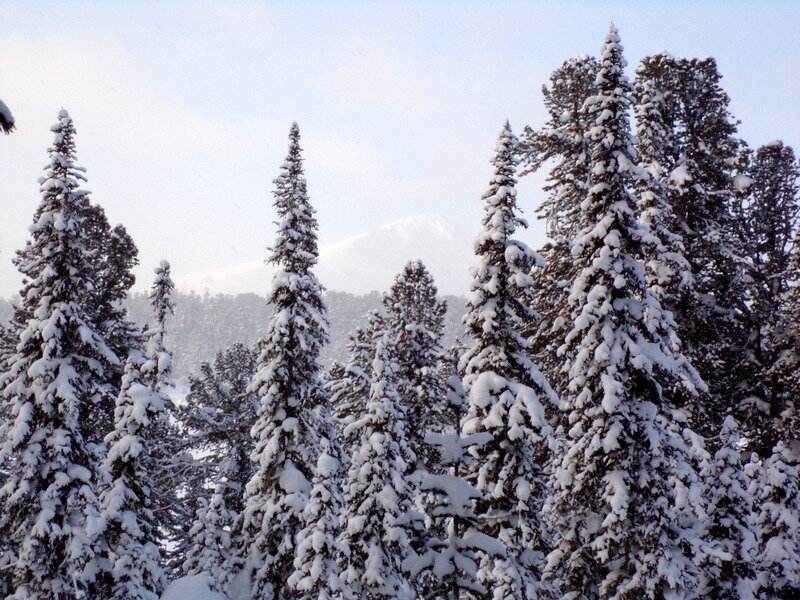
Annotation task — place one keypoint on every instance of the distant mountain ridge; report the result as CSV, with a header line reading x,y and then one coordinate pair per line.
x,y
365,262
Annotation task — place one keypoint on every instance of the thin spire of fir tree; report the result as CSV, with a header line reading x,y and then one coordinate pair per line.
x,y
506,392
157,367
289,386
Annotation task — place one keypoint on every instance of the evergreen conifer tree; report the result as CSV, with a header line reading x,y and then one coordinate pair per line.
x,y
112,254
316,568
450,561
769,199
621,528
126,503
289,387
776,524
172,517
698,186
349,394
781,378
505,393
157,367
727,570
218,414
416,315
562,138
209,553
49,514
668,272
377,494
115,254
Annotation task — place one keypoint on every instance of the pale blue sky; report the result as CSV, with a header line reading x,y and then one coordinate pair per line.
x,y
182,110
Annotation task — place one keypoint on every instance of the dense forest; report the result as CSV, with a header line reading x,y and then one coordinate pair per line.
x,y
611,417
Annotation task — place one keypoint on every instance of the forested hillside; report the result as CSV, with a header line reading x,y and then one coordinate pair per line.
x,y
205,324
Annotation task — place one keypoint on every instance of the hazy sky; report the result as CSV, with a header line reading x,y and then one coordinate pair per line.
x,y
182,111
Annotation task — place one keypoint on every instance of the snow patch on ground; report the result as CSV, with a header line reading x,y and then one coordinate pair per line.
x,y
193,587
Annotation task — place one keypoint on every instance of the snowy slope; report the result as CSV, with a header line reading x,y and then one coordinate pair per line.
x,y
365,262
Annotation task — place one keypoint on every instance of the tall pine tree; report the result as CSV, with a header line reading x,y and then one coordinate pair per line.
x,y
377,493
620,532
126,503
416,315
289,386
561,139
768,203
156,371
698,164
50,512
157,367
668,272
506,392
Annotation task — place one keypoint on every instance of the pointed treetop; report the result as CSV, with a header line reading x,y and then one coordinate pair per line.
x,y
294,140
611,56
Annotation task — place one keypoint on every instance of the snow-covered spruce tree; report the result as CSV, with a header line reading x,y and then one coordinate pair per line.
x,y
218,415
768,208
377,494
209,552
112,256
172,516
727,569
289,387
416,315
8,341
449,564
505,392
776,524
157,367
316,568
115,254
337,371
349,394
126,503
699,185
561,139
49,512
668,272
620,532
782,378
